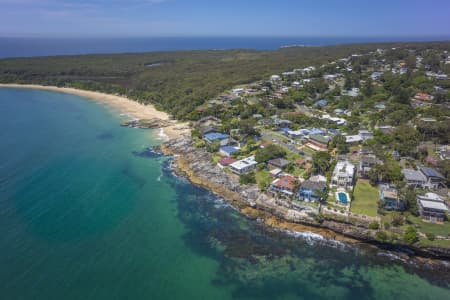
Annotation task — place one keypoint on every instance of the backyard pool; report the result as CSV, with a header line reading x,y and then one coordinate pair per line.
x,y
342,197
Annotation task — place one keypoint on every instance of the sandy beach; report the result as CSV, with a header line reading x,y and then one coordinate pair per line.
x,y
121,104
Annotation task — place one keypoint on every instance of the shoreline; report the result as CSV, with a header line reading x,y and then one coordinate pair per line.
x,y
195,165
122,105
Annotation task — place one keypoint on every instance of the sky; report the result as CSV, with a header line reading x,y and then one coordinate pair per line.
x,y
139,18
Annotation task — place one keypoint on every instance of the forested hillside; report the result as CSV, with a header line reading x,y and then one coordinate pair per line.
x,y
177,81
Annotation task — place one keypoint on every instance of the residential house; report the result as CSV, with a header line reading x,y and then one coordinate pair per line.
x,y
275,79
244,165
207,121
238,91
390,200
343,175
365,134
275,172
444,152
386,129
286,185
322,103
312,190
432,207
222,138
282,123
318,142
228,150
354,92
366,164
414,177
376,75
225,161
421,98
434,179
349,139
278,163
208,129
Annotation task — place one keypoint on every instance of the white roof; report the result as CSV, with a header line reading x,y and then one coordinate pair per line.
x,y
296,132
433,205
276,171
344,167
318,178
244,163
431,197
353,138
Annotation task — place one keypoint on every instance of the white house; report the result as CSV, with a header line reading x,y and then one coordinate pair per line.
x,y
432,207
365,134
244,165
353,139
343,175
275,78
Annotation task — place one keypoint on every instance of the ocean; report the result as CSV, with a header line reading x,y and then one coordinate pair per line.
x,y
87,213
27,47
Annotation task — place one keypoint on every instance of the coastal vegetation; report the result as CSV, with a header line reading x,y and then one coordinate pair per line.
x,y
181,81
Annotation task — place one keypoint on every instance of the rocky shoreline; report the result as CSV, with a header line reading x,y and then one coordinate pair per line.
x,y
196,164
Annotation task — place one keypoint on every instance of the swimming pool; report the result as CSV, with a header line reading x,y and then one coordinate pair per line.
x,y
343,197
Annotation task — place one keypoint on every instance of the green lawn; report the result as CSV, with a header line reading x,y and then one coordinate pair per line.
x,y
366,199
439,243
425,227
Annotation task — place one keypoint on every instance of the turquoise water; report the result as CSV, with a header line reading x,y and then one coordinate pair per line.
x,y
83,217
343,198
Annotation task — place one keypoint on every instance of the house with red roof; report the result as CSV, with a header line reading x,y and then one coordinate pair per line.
x,y
286,185
225,161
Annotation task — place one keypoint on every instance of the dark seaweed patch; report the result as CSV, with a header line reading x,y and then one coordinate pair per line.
x,y
105,136
148,152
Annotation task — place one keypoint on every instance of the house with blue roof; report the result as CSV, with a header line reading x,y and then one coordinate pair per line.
x,y
333,132
217,136
311,190
228,151
376,75
322,103
434,179
316,131
285,130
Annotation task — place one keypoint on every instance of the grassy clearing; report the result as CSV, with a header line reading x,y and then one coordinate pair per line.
x,y
366,199
425,227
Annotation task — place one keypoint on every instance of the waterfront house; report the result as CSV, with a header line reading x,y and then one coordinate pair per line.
x,y
318,142
343,175
278,163
432,207
390,200
311,190
225,161
434,179
228,151
244,165
222,138
414,177
286,185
